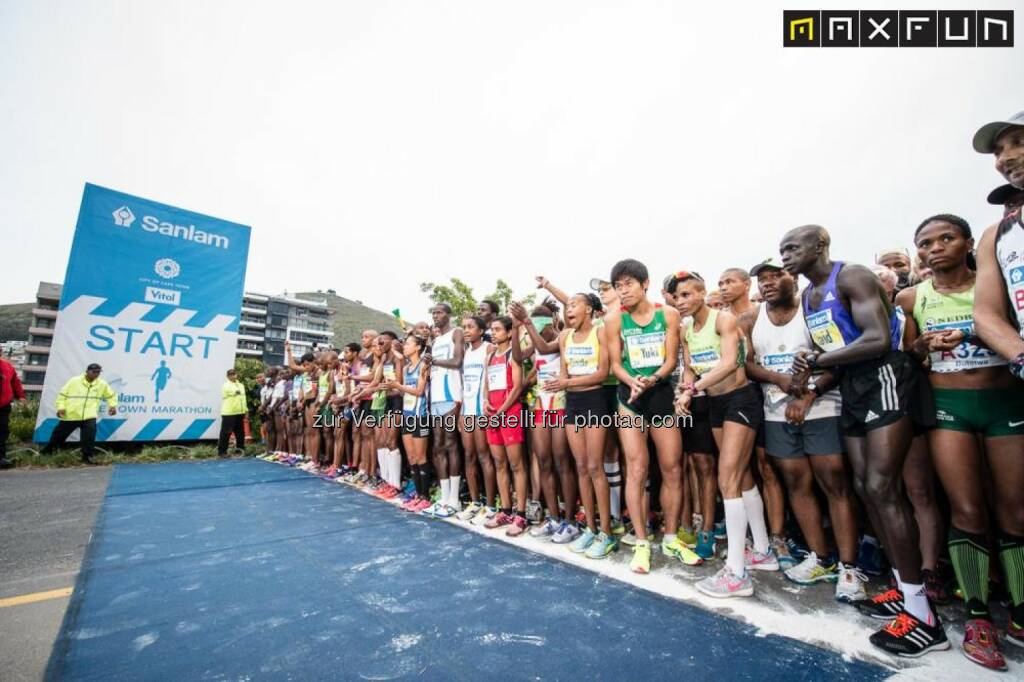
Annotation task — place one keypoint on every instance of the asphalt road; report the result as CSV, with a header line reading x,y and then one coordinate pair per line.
x,y
46,520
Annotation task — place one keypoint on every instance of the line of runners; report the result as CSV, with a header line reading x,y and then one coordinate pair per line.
x,y
604,418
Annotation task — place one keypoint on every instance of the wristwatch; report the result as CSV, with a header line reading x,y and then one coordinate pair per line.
x,y
813,388
1017,366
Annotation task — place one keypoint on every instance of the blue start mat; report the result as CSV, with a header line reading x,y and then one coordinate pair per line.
x,y
245,570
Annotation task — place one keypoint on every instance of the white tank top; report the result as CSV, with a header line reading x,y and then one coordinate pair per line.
x,y
774,348
445,384
473,362
1010,254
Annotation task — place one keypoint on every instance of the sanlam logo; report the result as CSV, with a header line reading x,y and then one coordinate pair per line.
x,y
123,217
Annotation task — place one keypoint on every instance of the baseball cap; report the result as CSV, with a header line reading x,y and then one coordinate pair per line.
x,y
93,366
896,249
772,263
985,138
1002,194
596,283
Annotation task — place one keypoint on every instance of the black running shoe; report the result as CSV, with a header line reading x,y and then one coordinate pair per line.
x,y
908,637
885,606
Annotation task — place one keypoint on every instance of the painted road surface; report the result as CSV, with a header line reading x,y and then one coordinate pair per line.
x,y
243,569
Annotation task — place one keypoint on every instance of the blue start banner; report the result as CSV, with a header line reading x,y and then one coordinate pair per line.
x,y
153,294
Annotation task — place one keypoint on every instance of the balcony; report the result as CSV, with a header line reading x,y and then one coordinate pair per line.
x,y
262,312
44,313
249,351
314,332
244,336
30,348
251,323
41,331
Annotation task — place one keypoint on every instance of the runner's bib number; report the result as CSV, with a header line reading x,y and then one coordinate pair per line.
x,y
702,362
964,356
646,350
781,363
582,360
497,379
471,375
824,331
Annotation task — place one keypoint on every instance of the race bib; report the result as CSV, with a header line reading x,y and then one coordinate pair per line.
x,y
781,363
497,379
646,350
824,331
471,380
582,360
704,361
964,356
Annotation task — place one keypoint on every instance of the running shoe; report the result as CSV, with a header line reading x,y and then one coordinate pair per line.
x,y
641,562
471,510
518,526
884,606
981,644
705,548
869,556
629,539
687,536
1014,633
409,504
545,530
908,637
719,531
566,533
850,584
498,520
781,550
726,584
759,561
935,587
390,493
810,571
410,488
618,527
583,542
601,546
423,505
444,511
675,548
431,510
534,512
483,516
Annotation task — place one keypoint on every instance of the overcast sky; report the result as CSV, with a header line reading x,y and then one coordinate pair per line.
x,y
375,145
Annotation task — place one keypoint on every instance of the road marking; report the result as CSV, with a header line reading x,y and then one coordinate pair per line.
x,y
36,596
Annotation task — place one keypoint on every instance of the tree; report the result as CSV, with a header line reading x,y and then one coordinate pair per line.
x,y
459,296
247,369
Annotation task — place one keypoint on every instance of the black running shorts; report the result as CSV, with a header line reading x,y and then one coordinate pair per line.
x,y
880,392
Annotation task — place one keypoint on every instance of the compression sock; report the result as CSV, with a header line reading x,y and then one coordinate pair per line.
x,y
444,491
754,505
970,557
1011,554
382,463
614,475
736,531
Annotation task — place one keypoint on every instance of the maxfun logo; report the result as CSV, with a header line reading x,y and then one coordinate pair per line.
x,y
123,217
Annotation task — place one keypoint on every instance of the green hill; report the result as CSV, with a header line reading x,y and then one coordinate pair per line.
x,y
14,321
351,318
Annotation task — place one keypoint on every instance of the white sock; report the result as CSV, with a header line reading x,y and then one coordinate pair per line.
x,y
382,463
915,602
899,581
754,505
453,489
396,468
614,476
445,491
736,531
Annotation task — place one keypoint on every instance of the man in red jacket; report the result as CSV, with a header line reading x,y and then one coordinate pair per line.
x,y
10,388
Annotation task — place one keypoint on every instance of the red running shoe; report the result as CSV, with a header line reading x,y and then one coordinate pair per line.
x,y
981,644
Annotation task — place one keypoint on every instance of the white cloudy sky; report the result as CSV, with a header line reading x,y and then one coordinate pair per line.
x,y
375,145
